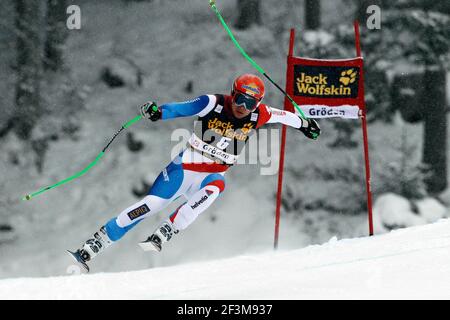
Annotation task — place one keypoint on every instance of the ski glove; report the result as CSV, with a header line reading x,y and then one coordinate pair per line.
x,y
310,128
150,110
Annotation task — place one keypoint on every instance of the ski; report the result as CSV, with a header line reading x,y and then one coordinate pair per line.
x,y
152,243
79,260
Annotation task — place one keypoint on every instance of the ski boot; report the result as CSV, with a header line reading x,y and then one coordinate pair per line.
x,y
91,248
161,235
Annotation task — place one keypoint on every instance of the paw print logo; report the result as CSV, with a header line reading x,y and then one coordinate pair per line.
x,y
348,77
247,127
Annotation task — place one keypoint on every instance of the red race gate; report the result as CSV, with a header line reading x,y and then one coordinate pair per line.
x,y
326,89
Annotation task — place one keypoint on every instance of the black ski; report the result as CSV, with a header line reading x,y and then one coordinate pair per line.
x,y
77,257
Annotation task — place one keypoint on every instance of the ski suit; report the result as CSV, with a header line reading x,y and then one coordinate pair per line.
x,y
197,173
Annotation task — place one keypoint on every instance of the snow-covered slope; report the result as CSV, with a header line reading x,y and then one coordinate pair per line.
x,y
412,263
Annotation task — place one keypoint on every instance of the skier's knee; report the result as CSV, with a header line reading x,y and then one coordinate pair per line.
x,y
155,203
182,217
140,210
214,179
199,202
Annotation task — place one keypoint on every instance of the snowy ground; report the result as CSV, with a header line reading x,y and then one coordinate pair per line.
x,y
408,263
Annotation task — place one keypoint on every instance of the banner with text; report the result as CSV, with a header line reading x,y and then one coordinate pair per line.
x,y
326,88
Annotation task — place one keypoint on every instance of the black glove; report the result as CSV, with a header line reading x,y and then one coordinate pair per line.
x,y
310,128
150,110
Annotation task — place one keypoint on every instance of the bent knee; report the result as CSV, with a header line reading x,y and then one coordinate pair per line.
x,y
214,179
147,206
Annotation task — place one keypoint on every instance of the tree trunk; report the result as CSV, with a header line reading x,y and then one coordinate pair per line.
x,y
30,18
56,34
312,14
435,129
249,13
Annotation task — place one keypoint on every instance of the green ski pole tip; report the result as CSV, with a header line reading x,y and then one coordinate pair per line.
x,y
27,197
212,2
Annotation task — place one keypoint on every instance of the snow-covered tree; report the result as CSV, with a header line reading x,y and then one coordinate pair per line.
x,y
56,34
249,13
405,177
312,14
422,36
415,35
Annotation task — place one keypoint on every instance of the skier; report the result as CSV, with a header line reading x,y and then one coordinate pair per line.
x,y
223,127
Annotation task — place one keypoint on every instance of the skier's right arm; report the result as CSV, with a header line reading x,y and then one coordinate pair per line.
x,y
198,106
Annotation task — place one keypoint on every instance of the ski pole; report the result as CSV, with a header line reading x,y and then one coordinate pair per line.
x,y
212,3
93,163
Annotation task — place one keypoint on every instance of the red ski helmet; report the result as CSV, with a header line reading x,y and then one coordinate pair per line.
x,y
248,90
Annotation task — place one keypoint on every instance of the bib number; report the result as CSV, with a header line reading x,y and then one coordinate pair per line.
x,y
223,143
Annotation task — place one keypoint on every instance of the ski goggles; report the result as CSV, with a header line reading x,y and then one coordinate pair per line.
x,y
246,101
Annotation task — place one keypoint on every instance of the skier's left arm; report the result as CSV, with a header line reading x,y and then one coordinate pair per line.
x,y
310,128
